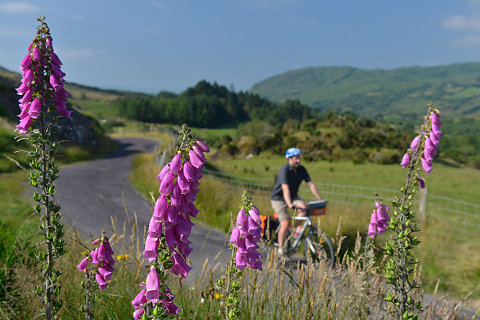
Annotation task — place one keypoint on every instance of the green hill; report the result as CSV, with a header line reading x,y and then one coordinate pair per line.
x,y
388,94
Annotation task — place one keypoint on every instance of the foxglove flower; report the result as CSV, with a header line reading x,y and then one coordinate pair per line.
x,y
245,236
379,220
179,181
102,257
40,72
405,160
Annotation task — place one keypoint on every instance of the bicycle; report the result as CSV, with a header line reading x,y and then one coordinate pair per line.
x,y
317,245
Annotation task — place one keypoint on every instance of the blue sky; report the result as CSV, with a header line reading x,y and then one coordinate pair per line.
x,y
154,45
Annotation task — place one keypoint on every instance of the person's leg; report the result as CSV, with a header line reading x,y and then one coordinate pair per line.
x,y
281,209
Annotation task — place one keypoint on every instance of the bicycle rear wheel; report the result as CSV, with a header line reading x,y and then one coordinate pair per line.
x,y
317,251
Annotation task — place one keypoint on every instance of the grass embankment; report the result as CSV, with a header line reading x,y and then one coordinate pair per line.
x,y
443,256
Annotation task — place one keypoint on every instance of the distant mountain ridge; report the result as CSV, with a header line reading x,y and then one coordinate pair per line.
x,y
389,94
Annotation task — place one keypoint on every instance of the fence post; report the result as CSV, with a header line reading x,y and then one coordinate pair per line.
x,y
422,204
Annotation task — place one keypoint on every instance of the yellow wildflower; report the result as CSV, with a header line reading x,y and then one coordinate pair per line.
x,y
121,257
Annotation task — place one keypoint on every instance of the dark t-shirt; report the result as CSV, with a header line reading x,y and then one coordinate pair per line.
x,y
291,177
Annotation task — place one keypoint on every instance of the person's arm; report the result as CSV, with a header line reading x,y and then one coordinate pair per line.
x,y
314,190
286,195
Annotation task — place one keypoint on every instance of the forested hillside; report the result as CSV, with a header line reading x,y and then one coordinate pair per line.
x,y
210,105
388,94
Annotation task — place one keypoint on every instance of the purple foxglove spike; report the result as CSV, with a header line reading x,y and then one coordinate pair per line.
x,y
251,224
435,118
155,228
102,252
235,236
176,163
49,42
102,284
172,217
184,249
426,165
421,182
188,171
241,261
153,286
415,142
405,160
151,248
372,230
199,154
108,248
28,77
182,228
24,124
24,111
250,243
202,146
137,314
27,97
436,130
172,238
36,54
374,217
194,159
183,183
105,273
57,71
434,139
170,307
22,89
61,92
166,185
381,229
180,266
26,62
241,244
254,215
140,299
55,59
82,266
191,210
177,197
241,218
162,173
191,196
160,208
94,256
35,108
55,82
63,111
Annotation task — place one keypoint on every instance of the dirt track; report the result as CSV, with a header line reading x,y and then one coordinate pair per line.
x,y
90,194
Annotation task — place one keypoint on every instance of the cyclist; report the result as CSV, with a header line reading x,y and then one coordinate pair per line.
x,y
284,193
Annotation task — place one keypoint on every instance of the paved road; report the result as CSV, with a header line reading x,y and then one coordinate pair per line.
x,y
90,194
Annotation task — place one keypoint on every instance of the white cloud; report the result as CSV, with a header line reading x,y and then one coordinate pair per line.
x,y
158,4
465,41
458,22
18,7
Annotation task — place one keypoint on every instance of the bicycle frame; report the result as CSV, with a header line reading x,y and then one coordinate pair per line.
x,y
295,244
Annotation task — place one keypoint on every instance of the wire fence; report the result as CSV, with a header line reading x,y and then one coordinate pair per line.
x,y
458,217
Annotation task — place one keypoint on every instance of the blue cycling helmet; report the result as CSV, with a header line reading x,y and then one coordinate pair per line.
x,y
292,152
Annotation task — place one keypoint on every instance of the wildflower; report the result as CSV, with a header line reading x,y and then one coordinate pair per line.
x,y
102,256
379,220
246,235
36,68
405,160
153,285
121,257
421,182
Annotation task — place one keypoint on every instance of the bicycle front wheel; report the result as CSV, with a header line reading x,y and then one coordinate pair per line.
x,y
317,251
